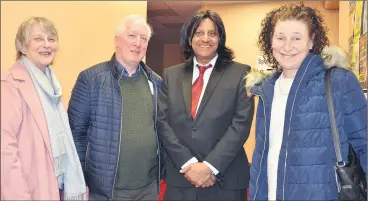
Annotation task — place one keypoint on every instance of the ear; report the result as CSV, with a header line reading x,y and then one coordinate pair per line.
x,y
20,47
116,41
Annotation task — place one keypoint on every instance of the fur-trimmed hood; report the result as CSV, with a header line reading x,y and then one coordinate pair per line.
x,y
332,56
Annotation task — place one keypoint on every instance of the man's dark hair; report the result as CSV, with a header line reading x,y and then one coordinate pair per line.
x,y
190,27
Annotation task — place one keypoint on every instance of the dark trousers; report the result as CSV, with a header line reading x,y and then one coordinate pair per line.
x,y
213,193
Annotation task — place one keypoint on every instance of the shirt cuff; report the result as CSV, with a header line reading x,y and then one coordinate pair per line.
x,y
192,160
213,169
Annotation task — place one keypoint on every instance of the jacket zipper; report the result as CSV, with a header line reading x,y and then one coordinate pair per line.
x,y
287,145
286,154
264,147
85,160
158,143
291,115
121,124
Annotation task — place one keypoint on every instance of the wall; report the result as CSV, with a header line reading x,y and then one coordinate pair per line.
x,y
173,55
344,25
242,22
86,32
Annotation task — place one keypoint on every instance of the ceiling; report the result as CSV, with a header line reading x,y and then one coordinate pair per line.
x,y
167,17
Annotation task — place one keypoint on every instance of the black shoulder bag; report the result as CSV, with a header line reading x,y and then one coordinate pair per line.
x,y
350,178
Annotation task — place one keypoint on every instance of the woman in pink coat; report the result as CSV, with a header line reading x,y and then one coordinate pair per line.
x,y
38,156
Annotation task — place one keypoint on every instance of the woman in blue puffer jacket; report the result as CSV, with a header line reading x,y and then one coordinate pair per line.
x,y
294,156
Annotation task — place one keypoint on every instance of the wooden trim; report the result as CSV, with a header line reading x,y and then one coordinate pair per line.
x,y
331,5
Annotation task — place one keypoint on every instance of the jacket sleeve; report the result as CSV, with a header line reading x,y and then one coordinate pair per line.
x,y
179,153
79,115
236,135
355,117
13,182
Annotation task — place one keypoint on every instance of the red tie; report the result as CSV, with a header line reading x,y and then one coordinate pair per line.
x,y
197,89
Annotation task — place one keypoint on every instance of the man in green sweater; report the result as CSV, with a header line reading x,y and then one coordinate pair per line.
x,y
113,112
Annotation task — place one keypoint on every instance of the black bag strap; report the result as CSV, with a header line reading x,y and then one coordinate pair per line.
x,y
331,112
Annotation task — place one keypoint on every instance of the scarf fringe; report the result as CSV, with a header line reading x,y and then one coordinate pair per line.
x,y
82,196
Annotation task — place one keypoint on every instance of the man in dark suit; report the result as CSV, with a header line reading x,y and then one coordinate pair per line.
x,y
205,116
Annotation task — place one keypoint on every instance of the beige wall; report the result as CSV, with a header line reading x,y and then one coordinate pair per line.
x,y
242,23
86,32
344,25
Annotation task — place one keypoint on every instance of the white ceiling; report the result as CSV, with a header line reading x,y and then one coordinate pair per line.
x,y
167,17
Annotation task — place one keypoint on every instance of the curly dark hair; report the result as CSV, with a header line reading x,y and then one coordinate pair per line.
x,y
189,28
311,16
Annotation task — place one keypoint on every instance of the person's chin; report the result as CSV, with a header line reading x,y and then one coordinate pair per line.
x,y
138,58
206,55
43,63
287,65
47,64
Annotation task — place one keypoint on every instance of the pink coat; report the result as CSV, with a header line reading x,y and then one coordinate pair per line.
x,y
27,171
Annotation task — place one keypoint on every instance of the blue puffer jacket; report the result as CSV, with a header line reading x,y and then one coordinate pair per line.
x,y
95,119
307,156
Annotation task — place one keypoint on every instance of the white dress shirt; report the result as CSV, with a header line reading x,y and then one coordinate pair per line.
x,y
206,77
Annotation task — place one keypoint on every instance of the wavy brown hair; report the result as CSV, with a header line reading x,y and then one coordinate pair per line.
x,y
311,16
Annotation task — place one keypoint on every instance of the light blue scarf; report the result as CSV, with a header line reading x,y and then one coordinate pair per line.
x,y
66,162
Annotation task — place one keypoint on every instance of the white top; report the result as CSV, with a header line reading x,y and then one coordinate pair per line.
x,y
206,77
281,92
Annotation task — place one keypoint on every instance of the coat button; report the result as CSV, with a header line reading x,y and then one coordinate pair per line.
x,y
194,129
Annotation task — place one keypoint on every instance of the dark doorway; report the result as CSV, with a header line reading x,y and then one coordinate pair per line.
x,y
166,19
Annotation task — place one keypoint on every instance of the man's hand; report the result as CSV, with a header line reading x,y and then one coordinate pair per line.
x,y
198,174
210,182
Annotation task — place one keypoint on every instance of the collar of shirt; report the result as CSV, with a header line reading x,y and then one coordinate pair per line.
x,y
207,73
125,72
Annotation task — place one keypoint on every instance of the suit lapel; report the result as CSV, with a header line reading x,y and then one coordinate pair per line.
x,y
187,86
29,93
215,77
